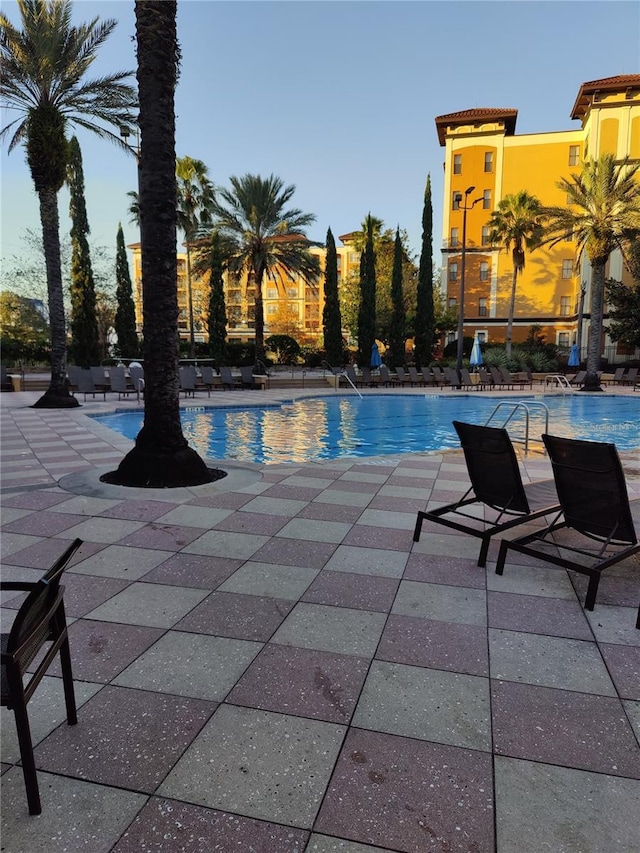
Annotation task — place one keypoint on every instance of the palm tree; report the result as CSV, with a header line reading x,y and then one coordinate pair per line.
x,y
161,457
42,78
603,215
195,199
517,224
268,239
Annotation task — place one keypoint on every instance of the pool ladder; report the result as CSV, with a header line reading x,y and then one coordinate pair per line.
x,y
521,407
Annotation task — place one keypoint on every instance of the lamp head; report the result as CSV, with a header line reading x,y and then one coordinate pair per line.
x,y
469,190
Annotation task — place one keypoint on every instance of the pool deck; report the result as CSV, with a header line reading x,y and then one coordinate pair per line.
x,y
269,663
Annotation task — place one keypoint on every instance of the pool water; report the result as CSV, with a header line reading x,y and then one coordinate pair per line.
x,y
345,426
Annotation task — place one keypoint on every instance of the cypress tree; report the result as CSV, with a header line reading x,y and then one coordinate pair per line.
x,y
125,320
397,332
367,312
425,315
331,319
217,310
85,346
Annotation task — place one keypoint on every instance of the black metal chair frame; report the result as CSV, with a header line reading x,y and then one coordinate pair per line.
x,y
40,619
495,482
593,502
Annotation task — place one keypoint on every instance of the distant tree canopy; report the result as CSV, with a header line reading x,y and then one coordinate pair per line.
x,y
24,331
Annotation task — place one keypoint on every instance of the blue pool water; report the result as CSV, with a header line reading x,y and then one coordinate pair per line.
x,y
341,426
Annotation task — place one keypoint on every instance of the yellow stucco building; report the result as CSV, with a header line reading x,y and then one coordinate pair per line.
x,y
484,162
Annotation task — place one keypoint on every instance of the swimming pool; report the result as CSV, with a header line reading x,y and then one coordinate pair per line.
x,y
339,426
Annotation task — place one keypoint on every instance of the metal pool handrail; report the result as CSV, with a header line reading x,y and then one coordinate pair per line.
x,y
520,405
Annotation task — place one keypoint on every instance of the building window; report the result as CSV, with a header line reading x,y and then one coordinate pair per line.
x,y
457,164
567,268
482,307
486,235
565,306
292,292
484,271
483,337
486,200
563,339
272,293
488,161
451,337
453,302
574,155
354,257
453,272
272,309
457,198
455,240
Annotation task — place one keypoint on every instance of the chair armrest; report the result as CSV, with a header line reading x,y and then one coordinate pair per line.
x,y
17,585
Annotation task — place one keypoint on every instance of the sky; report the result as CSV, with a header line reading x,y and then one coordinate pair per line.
x,y
339,98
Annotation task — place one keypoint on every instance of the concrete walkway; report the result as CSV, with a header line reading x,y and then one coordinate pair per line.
x,y
269,663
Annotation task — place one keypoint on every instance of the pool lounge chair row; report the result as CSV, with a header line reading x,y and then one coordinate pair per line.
x,y
434,377
591,525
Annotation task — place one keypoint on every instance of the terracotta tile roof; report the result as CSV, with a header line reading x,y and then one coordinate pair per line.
x,y
606,84
478,115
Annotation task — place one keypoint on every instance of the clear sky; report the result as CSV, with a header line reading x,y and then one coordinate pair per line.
x,y
339,98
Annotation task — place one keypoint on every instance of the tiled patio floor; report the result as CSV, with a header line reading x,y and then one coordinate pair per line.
x,y
269,663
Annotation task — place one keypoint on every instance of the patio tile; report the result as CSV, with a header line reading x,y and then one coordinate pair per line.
x,y
138,510
166,826
440,602
245,617
165,537
252,522
616,625
303,682
532,580
202,517
83,593
101,650
362,535
202,667
428,704
623,663
408,795
10,514
265,579
385,518
268,766
345,589
540,807
290,491
434,644
312,530
47,712
193,570
275,506
227,500
127,738
632,710
46,551
83,505
361,487
153,605
342,498
295,552
236,546
11,543
118,561
538,615
563,727
325,844
448,545
100,815
617,590
331,629
105,530
548,662
330,512
452,571
367,561
36,500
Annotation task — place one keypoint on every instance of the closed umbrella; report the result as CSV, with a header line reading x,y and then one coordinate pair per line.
x,y
476,353
376,361
574,356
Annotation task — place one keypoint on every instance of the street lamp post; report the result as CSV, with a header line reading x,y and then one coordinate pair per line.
x,y
463,257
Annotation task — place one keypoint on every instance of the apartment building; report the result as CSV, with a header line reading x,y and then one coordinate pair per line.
x,y
486,160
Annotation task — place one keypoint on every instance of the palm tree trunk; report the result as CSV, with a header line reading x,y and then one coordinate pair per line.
x,y
161,457
57,394
192,337
512,309
259,316
594,347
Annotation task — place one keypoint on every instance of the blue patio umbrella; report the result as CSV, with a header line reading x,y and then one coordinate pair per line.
x,y
574,356
376,361
476,353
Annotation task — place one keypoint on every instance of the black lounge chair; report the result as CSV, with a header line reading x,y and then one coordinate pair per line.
x,y
39,621
416,378
466,381
495,483
594,505
452,377
386,378
81,381
438,375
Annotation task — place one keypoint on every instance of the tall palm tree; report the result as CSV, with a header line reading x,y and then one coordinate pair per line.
x,y
268,238
195,200
517,225
43,68
603,215
161,456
